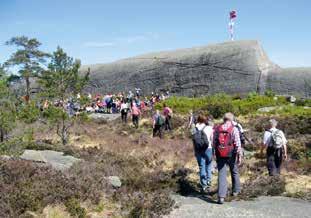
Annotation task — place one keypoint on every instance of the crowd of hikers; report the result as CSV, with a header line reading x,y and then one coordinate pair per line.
x,y
224,143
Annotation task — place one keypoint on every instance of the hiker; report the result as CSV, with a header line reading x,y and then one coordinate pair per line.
x,y
167,112
108,100
227,146
241,131
192,120
202,142
124,111
275,142
135,115
137,92
158,122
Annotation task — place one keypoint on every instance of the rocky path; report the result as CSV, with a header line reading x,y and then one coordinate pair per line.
x,y
265,207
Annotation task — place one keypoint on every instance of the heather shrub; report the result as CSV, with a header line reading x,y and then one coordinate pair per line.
x,y
263,186
74,208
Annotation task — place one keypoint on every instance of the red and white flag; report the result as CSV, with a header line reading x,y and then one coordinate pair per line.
x,y
232,15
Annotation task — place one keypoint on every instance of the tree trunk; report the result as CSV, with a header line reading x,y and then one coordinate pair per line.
x,y
64,132
27,97
1,135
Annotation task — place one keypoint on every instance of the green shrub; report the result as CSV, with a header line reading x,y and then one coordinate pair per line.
x,y
74,208
296,111
253,102
29,113
303,102
269,93
218,104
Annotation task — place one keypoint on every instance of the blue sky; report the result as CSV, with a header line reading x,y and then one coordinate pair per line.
x,y
99,31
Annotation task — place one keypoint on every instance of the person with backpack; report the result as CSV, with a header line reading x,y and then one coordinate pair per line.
x,y
135,115
158,122
227,146
167,112
275,143
241,131
202,142
124,110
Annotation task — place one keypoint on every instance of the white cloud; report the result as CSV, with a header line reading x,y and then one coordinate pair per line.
x,y
98,44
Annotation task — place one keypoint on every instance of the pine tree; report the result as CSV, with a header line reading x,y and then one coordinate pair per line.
x,y
28,59
7,106
60,82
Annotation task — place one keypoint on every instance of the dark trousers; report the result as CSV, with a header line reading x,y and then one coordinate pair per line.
x,y
124,116
157,130
135,119
274,161
167,123
222,175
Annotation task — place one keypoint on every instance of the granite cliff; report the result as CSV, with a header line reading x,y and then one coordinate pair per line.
x,y
230,67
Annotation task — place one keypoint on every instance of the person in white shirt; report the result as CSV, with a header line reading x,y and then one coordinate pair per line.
x,y
124,111
275,143
204,155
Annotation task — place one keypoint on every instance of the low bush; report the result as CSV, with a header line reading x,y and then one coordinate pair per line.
x,y
217,105
27,186
74,208
303,102
263,186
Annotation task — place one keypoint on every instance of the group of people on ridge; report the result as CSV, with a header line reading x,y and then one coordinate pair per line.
x,y
225,143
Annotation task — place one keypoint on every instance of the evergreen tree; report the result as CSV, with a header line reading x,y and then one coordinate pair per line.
x,y
61,82
28,59
7,106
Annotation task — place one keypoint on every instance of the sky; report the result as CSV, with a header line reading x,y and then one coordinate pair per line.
x,y
101,31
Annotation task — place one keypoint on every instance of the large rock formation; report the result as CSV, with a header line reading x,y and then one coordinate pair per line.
x,y
230,67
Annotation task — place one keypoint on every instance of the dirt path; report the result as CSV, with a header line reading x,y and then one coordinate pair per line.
x,y
265,207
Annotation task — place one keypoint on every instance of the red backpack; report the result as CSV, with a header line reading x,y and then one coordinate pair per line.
x,y
224,144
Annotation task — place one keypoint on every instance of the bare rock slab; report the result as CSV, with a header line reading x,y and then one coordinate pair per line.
x,y
56,159
265,207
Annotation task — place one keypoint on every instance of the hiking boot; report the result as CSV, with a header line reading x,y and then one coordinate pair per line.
x,y
221,201
204,189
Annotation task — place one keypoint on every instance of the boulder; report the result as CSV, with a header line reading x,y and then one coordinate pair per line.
x,y
115,181
57,160
103,118
237,67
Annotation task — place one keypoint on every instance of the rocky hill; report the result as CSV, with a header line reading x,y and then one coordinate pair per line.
x,y
230,67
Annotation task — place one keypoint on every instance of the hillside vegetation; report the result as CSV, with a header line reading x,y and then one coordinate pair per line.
x,y
150,168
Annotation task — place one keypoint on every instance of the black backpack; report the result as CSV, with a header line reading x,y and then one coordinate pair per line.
x,y
200,140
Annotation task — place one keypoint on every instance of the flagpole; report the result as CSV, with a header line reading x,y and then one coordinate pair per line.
x,y
232,16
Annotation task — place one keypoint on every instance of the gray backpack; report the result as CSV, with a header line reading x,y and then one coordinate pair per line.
x,y
276,139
